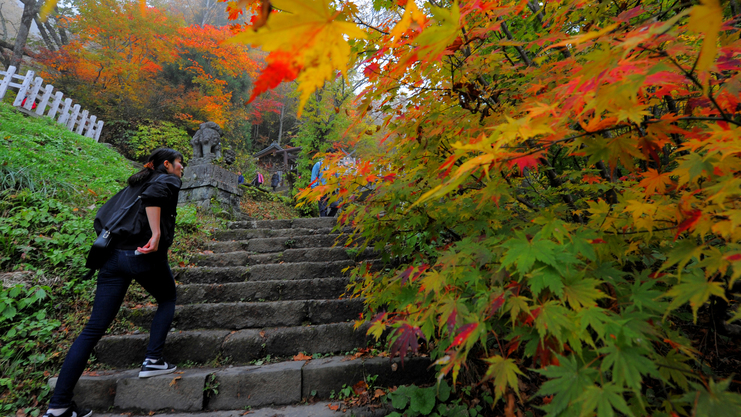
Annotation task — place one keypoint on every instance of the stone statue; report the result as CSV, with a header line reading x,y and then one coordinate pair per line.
x,y
207,141
229,156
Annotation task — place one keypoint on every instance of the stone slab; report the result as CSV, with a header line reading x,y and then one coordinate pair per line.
x,y
196,346
180,391
333,311
279,244
97,390
319,288
276,384
210,275
299,270
319,409
329,374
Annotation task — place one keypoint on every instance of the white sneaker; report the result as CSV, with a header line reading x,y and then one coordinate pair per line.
x,y
153,368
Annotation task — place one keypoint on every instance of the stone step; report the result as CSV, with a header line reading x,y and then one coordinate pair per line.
x,y
234,388
235,316
267,272
317,409
239,257
247,234
240,347
279,244
301,289
302,223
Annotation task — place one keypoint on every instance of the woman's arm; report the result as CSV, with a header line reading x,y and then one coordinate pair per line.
x,y
153,216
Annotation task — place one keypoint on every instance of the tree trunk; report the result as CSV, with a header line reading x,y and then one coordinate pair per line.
x,y
282,116
44,34
30,8
53,34
2,20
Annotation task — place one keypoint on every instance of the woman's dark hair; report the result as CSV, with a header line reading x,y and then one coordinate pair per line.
x,y
156,162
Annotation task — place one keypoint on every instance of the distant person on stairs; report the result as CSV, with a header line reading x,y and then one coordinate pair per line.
x,y
140,255
316,179
275,180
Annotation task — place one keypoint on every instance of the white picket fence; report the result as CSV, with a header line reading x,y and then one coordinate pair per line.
x,y
30,88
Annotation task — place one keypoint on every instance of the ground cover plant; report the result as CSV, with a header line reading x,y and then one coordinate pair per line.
x,y
52,182
559,209
261,204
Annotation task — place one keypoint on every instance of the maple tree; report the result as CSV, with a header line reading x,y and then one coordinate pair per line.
x,y
561,192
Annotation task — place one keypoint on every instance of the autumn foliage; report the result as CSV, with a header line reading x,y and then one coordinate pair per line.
x,y
131,63
561,203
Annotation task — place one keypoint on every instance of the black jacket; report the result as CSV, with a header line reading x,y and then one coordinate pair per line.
x,y
160,190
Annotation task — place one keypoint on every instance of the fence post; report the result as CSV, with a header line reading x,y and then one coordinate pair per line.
x,y
55,105
98,130
90,132
31,99
73,119
6,81
45,100
83,120
24,88
64,116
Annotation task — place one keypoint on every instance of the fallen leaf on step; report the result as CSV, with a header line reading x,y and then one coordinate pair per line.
x,y
360,387
379,393
333,407
262,333
175,380
301,357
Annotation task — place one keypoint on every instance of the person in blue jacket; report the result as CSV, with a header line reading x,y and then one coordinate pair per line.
x,y
316,179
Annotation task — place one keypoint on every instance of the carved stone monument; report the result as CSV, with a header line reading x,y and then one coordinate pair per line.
x,y
205,183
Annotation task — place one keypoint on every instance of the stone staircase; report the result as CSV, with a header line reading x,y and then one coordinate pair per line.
x,y
265,288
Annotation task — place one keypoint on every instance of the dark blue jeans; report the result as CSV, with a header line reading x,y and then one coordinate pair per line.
x,y
153,273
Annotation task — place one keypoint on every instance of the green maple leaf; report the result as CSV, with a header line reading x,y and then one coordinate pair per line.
x,y
627,364
596,317
555,318
566,383
714,401
582,293
524,253
682,253
580,244
605,399
696,289
673,366
642,295
547,277
504,372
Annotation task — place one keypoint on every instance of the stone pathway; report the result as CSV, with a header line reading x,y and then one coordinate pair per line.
x,y
268,288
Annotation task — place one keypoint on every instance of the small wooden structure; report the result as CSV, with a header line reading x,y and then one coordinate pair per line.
x,y
29,90
274,159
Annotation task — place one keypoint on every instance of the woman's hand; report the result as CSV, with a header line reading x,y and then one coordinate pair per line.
x,y
153,216
151,246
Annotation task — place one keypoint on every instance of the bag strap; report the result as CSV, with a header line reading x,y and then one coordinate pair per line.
x,y
121,214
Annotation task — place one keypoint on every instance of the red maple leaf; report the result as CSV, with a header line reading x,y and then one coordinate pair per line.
x,y
280,68
523,162
463,334
691,218
407,339
372,69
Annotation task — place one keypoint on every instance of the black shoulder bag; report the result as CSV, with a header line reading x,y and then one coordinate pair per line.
x,y
101,249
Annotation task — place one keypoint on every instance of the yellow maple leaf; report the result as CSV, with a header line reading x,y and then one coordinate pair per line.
x,y
313,34
706,18
411,14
